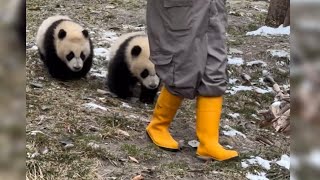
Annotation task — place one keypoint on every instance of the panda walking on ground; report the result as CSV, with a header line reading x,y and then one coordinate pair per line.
x,y
65,48
129,65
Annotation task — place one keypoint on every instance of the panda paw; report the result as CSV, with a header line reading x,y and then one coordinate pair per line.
x,y
147,100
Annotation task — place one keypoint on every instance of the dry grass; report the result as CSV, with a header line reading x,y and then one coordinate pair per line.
x,y
98,150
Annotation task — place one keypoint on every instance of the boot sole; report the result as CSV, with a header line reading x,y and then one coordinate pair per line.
x,y
164,148
207,158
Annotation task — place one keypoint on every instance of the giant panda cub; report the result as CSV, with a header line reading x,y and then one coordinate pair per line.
x,y
65,48
129,65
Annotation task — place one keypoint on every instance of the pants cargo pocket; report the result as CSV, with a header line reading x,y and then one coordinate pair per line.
x,y
178,14
164,68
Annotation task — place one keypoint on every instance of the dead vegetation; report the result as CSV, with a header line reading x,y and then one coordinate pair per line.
x,y
69,139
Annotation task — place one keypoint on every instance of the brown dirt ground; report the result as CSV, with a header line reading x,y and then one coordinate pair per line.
x,y
99,151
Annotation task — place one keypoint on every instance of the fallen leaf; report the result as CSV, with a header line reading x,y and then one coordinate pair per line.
x,y
36,85
139,177
123,132
193,143
103,92
133,159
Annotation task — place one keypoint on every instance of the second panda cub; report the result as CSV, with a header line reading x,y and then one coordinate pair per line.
x,y
129,65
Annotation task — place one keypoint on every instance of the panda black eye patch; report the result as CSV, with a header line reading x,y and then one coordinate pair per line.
x,y
144,74
82,56
136,50
62,33
70,56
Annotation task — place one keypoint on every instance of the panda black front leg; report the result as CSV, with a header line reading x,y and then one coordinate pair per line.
x,y
148,95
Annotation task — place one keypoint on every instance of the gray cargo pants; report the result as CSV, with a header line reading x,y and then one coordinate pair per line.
x,y
188,45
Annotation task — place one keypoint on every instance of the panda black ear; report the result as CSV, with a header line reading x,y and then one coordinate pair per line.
x,y
62,34
136,50
85,33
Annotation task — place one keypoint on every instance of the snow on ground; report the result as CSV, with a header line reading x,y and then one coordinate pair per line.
x,y
92,105
238,61
257,160
257,62
125,105
130,27
101,52
132,117
235,51
255,116
284,161
279,53
100,73
236,89
266,31
260,9
233,81
232,132
109,36
259,176
33,48
234,115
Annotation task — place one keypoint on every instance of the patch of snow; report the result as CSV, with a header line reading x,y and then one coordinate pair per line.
x,y
92,105
279,53
232,132
194,143
236,89
259,9
266,31
125,105
276,104
261,80
284,161
93,145
234,115
244,164
99,73
233,81
255,116
33,48
238,61
257,62
260,161
235,51
132,116
102,52
130,27
263,91
259,176
34,133
314,158
109,36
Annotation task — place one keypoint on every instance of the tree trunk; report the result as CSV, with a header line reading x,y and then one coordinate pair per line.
x,y
278,13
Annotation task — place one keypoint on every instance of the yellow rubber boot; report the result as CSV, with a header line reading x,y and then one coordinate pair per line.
x,y
164,112
208,120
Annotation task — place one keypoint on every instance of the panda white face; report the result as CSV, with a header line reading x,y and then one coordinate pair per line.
x,y
140,65
151,81
75,63
73,47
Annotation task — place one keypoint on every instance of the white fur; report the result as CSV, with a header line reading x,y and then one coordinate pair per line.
x,y
138,64
115,46
74,41
43,29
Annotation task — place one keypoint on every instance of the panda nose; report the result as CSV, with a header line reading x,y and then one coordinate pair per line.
x,y
76,68
153,86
